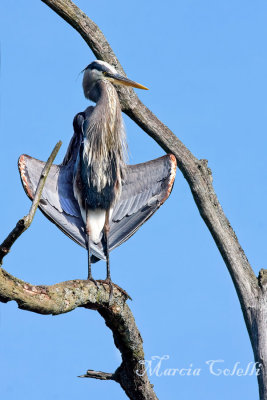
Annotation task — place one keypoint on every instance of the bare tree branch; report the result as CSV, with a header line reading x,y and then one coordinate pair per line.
x,y
41,184
66,296
26,221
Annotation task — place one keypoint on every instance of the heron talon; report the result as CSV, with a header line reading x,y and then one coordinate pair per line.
x,y
109,282
94,281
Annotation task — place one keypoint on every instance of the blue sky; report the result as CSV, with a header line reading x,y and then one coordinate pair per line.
x,y
205,64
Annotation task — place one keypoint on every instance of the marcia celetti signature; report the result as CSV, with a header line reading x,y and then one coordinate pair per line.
x,y
155,367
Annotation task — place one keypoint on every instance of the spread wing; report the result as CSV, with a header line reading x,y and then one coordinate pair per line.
x,y
57,202
57,196
145,188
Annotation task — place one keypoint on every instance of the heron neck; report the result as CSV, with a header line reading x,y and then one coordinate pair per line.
x,y
108,107
106,124
105,144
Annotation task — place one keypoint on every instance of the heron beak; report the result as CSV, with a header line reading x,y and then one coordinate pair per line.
x,y
121,80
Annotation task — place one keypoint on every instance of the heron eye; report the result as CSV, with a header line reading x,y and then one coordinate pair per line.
x,y
104,73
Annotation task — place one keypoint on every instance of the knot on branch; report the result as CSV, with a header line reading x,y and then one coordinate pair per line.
x,y
3,252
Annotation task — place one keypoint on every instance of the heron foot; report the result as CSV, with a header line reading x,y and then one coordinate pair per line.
x,y
93,280
109,282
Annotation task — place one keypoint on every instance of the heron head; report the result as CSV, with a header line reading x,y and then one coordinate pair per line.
x,y
101,70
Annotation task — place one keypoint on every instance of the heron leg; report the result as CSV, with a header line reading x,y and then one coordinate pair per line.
x,y
90,278
106,233
89,257
106,250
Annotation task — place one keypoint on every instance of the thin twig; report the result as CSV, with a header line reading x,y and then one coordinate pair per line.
x,y
41,184
103,376
26,221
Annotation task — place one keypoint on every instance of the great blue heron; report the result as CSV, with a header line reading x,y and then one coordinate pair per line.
x,y
93,196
